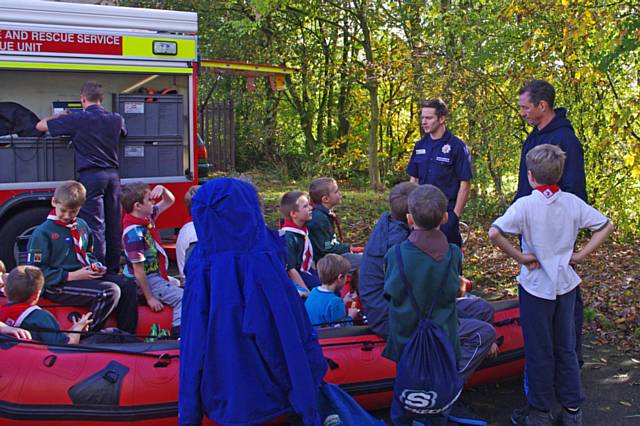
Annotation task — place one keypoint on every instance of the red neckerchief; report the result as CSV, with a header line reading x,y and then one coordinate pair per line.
x,y
11,312
78,244
548,190
336,222
307,252
129,219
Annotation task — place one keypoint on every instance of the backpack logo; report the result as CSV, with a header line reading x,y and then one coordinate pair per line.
x,y
332,420
418,401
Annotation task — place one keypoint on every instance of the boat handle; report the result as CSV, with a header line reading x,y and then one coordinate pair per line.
x,y
163,361
332,364
49,360
367,346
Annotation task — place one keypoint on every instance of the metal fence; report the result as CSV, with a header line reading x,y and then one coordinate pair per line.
x,y
217,128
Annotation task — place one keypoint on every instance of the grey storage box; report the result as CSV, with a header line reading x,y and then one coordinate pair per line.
x,y
150,116
140,159
43,159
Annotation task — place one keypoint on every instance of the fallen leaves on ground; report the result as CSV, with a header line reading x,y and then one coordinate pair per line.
x,y
610,286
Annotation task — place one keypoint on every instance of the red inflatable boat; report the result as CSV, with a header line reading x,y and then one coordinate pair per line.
x,y
137,383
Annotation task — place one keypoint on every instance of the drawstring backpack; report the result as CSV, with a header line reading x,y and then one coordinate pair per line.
x,y
427,379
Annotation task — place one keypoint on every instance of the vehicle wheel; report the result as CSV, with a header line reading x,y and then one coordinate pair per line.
x,y
19,225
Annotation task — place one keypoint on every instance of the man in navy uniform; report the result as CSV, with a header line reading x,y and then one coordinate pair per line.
x,y
551,126
442,160
95,134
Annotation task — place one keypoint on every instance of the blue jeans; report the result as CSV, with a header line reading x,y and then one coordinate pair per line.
x,y
552,370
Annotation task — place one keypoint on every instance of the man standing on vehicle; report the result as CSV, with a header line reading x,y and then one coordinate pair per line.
x,y
95,134
551,126
442,160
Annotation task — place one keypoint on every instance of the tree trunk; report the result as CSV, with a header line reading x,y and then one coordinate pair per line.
x,y
372,88
343,96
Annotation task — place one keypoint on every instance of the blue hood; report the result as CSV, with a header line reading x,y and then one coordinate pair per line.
x,y
248,351
227,217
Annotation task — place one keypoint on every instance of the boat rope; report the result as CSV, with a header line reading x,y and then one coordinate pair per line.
x,y
161,357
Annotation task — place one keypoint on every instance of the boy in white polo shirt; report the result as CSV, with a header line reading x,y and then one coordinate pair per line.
x,y
548,221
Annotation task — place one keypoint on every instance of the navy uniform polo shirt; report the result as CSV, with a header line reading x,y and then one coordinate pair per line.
x,y
444,163
95,133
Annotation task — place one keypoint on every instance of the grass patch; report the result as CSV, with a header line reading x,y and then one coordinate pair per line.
x,y
589,314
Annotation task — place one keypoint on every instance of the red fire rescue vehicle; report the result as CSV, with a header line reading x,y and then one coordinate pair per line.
x,y
47,51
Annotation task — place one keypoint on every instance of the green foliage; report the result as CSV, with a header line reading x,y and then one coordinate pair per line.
x,y
589,314
475,55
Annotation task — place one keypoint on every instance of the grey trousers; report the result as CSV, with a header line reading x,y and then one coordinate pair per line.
x,y
475,331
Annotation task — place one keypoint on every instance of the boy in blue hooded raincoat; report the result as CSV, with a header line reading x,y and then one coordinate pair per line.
x,y
248,351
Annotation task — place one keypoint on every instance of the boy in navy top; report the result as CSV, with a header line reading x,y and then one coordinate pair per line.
x,y
548,221
296,210
95,133
323,306
442,160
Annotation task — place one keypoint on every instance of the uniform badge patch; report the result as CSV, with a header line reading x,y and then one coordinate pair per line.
x,y
55,236
34,257
446,148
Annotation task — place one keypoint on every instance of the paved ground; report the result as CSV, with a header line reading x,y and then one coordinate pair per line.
x,y
611,381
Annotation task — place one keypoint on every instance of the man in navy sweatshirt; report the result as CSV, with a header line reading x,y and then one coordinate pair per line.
x,y
551,126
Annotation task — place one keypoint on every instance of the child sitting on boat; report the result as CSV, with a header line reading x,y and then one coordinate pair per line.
x,y
23,289
296,210
187,236
324,223
323,306
62,248
147,262
426,254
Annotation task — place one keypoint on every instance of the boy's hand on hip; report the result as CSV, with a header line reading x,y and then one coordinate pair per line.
x,y
575,259
154,304
529,261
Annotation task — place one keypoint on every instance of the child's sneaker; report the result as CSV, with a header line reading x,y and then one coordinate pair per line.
x,y
571,419
519,416
538,418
